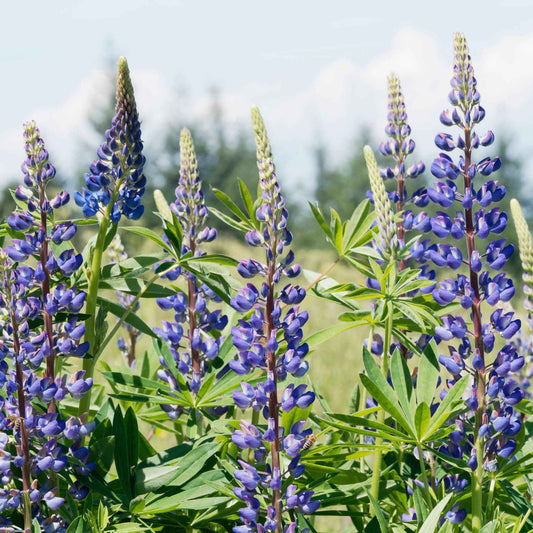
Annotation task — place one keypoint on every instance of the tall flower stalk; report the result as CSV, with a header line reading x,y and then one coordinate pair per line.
x,y
399,147
193,337
388,245
39,308
491,416
269,338
114,187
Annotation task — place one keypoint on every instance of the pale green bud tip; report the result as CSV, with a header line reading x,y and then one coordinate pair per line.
x,y
122,64
124,85
264,152
370,159
162,205
525,242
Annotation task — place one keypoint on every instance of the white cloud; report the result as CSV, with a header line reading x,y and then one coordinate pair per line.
x,y
343,95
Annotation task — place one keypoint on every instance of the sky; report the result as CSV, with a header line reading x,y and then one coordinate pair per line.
x,y
317,71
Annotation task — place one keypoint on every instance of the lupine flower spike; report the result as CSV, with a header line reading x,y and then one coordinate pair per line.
x,y
388,244
34,301
489,428
399,147
269,339
115,185
193,337
116,180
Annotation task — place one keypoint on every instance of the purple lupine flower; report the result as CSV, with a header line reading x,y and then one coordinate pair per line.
x,y
399,147
193,337
473,217
39,321
115,180
269,338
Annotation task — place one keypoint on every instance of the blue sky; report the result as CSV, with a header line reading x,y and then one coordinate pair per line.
x,y
316,70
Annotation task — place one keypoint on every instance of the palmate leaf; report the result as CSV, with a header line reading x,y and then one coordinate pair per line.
x,y
449,408
358,424
357,229
173,467
402,382
376,384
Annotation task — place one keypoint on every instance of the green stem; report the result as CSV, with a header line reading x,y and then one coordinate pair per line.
x,y
477,488
27,511
322,275
90,309
376,474
491,496
427,486
362,396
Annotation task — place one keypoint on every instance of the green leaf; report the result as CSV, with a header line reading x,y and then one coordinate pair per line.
x,y
138,263
432,521
230,204
131,318
494,526
122,463
148,233
247,199
137,505
448,406
378,512
428,374
78,525
132,430
358,226
376,384
134,286
35,527
294,415
232,223
128,527
132,380
323,335
102,516
176,472
319,217
422,419
218,259
402,382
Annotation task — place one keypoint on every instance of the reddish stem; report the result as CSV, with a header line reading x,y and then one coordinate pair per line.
x,y
50,360
195,356
273,405
26,481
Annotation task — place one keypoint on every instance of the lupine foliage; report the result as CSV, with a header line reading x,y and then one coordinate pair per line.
x,y
437,436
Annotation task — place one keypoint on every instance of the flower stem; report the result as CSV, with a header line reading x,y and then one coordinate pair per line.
x,y
90,309
273,405
322,275
26,476
376,474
